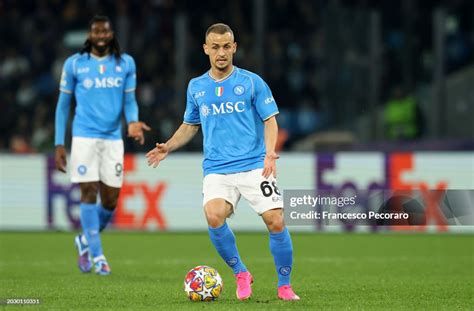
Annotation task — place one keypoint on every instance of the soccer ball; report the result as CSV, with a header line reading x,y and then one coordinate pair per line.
x,y
203,283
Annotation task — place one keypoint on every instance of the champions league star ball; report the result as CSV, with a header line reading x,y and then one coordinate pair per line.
x,y
203,283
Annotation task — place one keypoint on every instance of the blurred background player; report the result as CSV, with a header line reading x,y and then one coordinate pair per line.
x,y
103,81
236,110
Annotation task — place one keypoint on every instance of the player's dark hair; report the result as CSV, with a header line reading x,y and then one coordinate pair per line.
x,y
113,44
218,28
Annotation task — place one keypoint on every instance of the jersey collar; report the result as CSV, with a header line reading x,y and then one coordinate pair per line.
x,y
99,58
221,79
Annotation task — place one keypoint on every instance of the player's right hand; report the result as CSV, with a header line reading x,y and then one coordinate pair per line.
x,y
157,154
60,158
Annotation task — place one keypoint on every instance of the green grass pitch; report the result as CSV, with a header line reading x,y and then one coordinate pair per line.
x,y
331,272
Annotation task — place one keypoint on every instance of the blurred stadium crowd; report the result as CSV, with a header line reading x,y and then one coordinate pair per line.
x,y
36,38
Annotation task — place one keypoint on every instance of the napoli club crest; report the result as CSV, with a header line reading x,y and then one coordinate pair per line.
x,y
82,169
239,90
285,270
232,261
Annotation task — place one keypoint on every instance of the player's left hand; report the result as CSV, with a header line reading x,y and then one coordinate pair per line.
x,y
135,130
269,164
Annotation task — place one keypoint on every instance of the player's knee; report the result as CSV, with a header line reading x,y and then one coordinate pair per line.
x,y
276,226
109,196
216,213
274,221
214,219
110,203
89,193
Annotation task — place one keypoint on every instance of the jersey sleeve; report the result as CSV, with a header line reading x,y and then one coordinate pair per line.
x,y
191,115
68,79
263,99
131,78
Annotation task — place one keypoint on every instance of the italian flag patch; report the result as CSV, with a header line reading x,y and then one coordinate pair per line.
x,y
101,69
219,90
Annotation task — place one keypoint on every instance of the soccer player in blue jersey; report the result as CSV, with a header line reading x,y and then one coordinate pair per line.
x,y
236,111
103,81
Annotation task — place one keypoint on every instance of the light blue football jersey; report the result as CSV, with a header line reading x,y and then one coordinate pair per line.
x,y
231,113
99,85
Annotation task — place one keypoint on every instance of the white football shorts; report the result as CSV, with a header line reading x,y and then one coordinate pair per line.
x,y
95,159
261,193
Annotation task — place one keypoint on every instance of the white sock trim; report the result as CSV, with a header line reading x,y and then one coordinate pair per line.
x,y
99,258
84,240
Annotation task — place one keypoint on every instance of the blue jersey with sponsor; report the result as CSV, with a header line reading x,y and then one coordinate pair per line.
x,y
231,112
99,85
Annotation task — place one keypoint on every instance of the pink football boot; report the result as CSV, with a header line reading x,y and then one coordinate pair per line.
x,y
285,292
244,285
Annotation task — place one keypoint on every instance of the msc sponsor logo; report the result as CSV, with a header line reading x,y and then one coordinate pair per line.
x,y
102,83
108,82
222,108
228,107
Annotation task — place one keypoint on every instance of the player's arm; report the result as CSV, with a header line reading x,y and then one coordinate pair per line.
x,y
135,127
271,134
63,106
62,113
267,109
180,138
183,134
